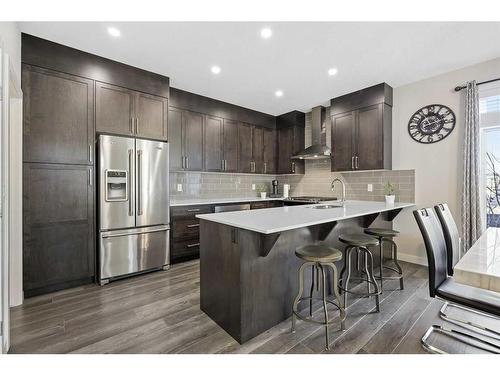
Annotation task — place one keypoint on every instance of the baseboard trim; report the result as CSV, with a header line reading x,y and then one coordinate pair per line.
x,y
412,259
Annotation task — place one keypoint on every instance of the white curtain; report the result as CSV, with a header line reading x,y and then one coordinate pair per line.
x,y
472,219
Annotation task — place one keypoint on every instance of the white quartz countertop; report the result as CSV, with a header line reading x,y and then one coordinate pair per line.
x,y
480,266
192,202
279,219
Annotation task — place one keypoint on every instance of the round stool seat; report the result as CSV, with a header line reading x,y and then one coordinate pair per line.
x,y
381,232
355,239
318,253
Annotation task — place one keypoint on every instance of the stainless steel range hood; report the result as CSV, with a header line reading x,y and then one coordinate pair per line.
x,y
318,149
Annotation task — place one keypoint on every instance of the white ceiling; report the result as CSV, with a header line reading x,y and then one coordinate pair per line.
x,y
295,59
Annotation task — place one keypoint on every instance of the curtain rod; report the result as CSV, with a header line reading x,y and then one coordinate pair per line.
x,y
458,88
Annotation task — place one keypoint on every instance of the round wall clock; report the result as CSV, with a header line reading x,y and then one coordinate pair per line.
x,y
431,123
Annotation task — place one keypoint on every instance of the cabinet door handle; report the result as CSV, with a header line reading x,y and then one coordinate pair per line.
x,y
131,125
90,153
357,162
265,167
352,162
137,125
193,225
193,245
225,164
90,177
222,164
182,162
187,162
293,167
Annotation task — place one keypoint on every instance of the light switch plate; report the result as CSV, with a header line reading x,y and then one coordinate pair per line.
x,y
179,187
370,187
253,186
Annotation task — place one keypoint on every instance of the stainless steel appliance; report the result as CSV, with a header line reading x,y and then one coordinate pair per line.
x,y
133,206
306,200
275,189
232,207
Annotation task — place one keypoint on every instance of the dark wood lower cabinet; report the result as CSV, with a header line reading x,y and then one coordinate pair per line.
x,y
58,230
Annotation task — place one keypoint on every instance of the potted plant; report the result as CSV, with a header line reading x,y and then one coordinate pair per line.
x,y
389,190
262,189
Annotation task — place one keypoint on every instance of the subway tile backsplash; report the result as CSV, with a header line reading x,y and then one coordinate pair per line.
x,y
318,177
316,181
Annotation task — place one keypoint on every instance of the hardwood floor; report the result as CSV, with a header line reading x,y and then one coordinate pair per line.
x,y
159,313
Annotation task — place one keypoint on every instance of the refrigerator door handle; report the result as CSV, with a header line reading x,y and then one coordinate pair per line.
x,y
129,182
139,182
132,232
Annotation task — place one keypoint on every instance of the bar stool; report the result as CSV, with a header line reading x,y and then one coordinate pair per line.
x,y
360,243
387,235
318,256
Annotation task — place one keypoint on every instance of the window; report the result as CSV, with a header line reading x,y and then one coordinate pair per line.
x,y
489,110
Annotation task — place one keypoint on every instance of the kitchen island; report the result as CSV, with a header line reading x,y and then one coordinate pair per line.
x,y
248,269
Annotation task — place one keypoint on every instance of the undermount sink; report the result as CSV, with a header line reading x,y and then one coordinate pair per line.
x,y
327,206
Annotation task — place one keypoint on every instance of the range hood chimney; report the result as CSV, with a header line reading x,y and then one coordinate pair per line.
x,y
318,149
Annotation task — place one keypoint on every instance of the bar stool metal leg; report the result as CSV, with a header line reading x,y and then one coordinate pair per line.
x,y
381,245
323,288
345,284
372,278
395,259
312,291
301,290
337,294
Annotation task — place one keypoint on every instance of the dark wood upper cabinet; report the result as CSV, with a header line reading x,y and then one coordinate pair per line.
x,y
230,143
193,140
245,148
362,129
214,161
126,112
114,109
269,151
52,102
370,138
291,139
151,116
258,149
58,227
285,143
176,149
343,132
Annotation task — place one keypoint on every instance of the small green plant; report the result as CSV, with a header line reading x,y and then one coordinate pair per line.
x,y
389,188
261,188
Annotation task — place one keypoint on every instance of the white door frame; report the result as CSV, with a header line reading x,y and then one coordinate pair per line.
x,y
9,88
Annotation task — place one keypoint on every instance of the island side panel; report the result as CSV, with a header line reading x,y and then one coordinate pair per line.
x,y
220,276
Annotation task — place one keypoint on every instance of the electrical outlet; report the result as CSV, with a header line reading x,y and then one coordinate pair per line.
x,y
253,186
179,187
370,187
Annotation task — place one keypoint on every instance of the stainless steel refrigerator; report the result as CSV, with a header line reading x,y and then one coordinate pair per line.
x,y
133,206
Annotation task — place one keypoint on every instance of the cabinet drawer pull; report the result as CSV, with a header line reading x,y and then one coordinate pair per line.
x,y
193,210
193,245
193,225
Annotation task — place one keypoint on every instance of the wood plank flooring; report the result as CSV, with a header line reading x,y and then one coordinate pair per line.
x,y
159,313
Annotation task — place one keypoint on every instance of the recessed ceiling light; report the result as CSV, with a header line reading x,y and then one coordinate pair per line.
x,y
332,71
215,69
266,33
278,93
113,31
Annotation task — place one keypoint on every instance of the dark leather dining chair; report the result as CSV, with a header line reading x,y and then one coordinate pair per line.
x,y
442,286
451,235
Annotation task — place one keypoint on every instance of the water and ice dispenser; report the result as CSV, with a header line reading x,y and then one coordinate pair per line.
x,y
116,185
